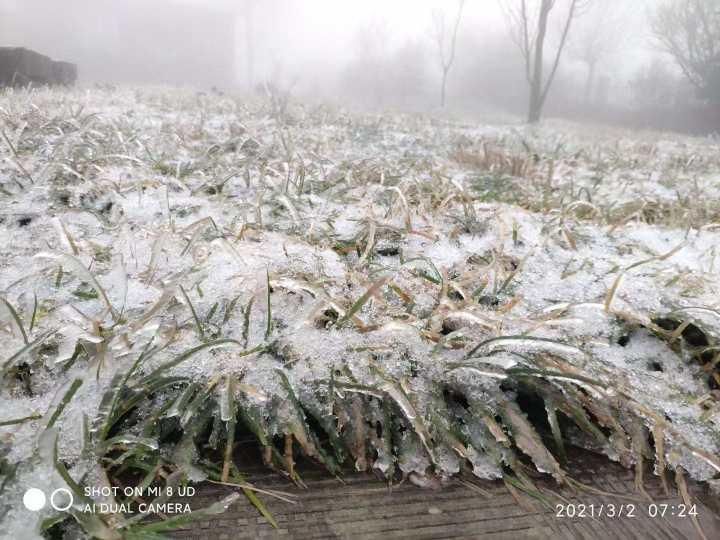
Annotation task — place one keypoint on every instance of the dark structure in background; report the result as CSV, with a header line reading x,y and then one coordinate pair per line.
x,y
21,67
175,42
65,72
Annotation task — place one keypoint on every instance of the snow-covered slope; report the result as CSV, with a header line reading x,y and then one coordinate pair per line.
x,y
389,292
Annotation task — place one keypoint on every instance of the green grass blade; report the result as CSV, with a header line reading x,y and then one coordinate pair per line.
x,y
19,420
254,499
198,324
360,302
34,312
268,325
67,397
27,348
179,359
16,318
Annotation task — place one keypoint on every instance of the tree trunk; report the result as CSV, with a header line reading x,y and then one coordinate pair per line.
x,y
590,83
442,88
535,107
536,93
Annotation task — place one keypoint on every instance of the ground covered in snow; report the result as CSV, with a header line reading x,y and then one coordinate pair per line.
x,y
409,295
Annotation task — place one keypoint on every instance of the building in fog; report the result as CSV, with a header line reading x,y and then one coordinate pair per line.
x,y
133,41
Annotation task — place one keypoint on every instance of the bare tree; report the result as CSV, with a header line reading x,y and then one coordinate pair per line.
x,y
689,30
529,30
597,39
446,51
249,20
368,71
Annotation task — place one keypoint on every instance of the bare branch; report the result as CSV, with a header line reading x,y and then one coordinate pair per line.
x,y
529,31
689,31
446,57
455,32
563,40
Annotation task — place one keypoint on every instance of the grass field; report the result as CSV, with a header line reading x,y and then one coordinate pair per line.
x,y
410,295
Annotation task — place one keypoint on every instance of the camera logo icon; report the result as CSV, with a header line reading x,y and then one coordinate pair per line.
x,y
35,499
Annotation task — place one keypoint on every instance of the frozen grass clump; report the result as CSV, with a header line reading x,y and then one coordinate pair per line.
x,y
385,293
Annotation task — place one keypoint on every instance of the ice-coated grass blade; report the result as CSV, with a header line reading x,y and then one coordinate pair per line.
x,y
268,323
685,494
67,397
69,261
237,479
303,432
555,428
34,312
527,439
612,292
91,523
229,415
246,321
434,276
182,357
106,416
360,302
14,421
16,318
519,339
229,310
253,498
16,161
198,324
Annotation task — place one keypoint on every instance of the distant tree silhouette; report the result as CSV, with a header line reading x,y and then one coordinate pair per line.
x,y
446,44
529,30
689,30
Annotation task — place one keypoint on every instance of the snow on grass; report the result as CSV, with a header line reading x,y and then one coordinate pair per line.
x,y
375,291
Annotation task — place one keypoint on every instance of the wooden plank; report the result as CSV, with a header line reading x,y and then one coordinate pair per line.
x,y
364,507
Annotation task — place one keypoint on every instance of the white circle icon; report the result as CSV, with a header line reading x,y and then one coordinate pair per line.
x,y
34,499
61,499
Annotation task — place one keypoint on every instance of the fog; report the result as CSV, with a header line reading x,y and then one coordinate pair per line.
x,y
371,54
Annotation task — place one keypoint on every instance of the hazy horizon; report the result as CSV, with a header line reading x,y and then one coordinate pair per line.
x,y
373,54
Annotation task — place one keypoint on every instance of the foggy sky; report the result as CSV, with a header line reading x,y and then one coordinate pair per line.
x,y
306,44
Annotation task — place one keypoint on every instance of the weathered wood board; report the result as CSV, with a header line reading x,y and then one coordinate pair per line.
x,y
363,507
